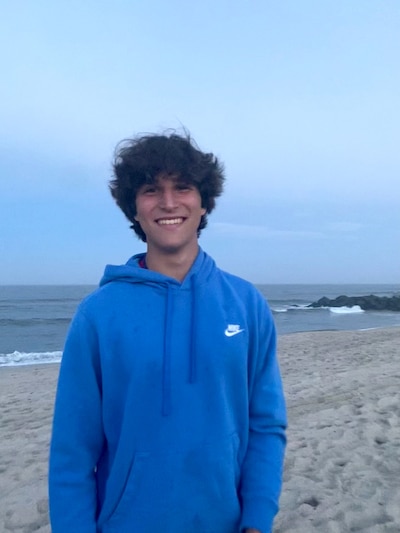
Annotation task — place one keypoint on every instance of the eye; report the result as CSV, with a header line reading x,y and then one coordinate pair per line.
x,y
184,187
148,189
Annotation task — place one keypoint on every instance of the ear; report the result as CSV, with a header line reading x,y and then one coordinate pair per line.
x,y
203,211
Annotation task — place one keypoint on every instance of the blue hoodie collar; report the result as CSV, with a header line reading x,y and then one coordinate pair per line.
x,y
131,272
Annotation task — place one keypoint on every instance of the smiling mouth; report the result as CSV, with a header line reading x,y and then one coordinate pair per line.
x,y
170,221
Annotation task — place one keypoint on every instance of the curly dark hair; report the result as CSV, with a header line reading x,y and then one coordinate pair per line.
x,y
140,160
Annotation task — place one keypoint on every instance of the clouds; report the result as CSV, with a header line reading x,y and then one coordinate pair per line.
x,y
265,234
299,99
261,233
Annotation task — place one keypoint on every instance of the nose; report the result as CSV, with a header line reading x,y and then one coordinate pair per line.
x,y
168,199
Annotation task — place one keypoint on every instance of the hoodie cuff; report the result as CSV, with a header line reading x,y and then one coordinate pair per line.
x,y
258,514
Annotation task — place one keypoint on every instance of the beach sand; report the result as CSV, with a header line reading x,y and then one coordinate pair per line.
x,y
342,471
26,410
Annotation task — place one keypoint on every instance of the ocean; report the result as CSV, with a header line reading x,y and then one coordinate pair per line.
x,y
34,319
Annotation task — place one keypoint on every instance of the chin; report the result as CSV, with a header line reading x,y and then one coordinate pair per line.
x,y
175,247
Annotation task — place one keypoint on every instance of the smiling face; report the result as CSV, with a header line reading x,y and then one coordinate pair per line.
x,y
169,212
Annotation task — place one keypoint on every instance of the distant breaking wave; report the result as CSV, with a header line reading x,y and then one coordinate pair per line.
x,y
346,310
31,358
293,307
336,310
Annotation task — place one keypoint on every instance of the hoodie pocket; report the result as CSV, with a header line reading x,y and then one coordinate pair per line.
x,y
193,490
128,492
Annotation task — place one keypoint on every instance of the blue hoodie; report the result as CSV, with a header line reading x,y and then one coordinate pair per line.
x,y
169,415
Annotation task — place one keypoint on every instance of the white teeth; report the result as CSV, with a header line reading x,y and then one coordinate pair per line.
x,y
168,221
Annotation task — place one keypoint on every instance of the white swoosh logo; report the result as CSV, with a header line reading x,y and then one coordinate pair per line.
x,y
229,333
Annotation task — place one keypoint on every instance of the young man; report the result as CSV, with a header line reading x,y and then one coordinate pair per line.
x,y
170,415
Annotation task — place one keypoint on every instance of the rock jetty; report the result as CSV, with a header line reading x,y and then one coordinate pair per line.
x,y
367,303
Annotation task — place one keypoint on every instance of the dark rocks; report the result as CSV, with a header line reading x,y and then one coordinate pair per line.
x,y
367,303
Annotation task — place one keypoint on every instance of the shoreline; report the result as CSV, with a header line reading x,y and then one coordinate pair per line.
x,y
342,463
279,336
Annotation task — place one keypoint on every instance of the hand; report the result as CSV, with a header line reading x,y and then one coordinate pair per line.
x,y
252,530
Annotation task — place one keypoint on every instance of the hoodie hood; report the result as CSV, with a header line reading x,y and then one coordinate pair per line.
x,y
132,272
200,271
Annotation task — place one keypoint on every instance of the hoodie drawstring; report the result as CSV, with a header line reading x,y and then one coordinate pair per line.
x,y
166,370
166,376
135,271
193,340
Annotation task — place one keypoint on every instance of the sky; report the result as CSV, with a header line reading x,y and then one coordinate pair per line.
x,y
299,99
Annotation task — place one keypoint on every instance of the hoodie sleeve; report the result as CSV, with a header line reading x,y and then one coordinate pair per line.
x,y
77,437
261,478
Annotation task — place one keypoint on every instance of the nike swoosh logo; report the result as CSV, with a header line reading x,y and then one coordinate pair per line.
x,y
232,333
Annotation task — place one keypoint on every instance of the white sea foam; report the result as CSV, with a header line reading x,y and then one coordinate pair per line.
x,y
293,307
30,358
302,307
346,310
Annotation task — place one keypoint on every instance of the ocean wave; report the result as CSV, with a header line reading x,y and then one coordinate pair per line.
x,y
29,358
23,322
346,310
7,302
291,307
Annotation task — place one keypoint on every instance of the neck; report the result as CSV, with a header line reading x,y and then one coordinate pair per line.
x,y
174,265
